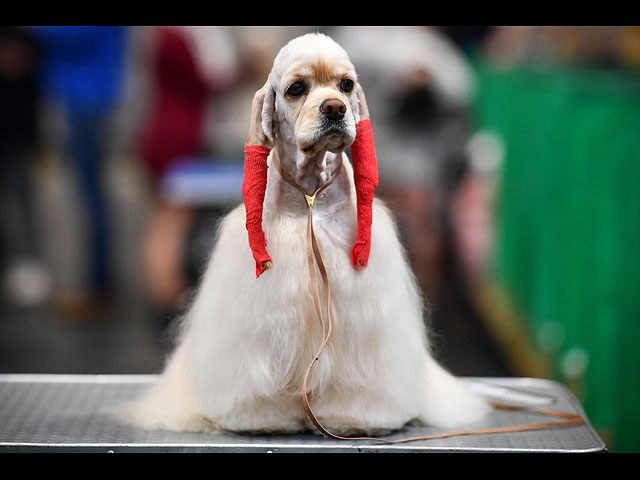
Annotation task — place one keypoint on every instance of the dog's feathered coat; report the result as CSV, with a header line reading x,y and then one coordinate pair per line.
x,y
246,342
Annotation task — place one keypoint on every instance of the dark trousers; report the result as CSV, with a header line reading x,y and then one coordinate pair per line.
x,y
86,150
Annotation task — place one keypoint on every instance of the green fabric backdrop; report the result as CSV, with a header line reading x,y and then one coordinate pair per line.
x,y
568,228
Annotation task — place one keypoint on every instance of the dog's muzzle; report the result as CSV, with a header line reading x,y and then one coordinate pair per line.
x,y
333,132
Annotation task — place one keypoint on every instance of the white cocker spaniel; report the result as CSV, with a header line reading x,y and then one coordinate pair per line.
x,y
243,355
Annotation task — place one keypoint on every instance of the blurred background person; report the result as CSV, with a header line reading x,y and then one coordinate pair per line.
x,y
421,88
184,76
81,70
25,280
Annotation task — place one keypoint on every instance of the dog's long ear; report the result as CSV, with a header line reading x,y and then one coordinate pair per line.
x,y
268,110
355,106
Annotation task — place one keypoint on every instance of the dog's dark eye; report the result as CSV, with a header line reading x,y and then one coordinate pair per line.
x,y
346,85
296,89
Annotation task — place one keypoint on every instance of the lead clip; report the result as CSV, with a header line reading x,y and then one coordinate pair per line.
x,y
309,199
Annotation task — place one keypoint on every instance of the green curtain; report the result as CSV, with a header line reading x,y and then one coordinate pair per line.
x,y
568,227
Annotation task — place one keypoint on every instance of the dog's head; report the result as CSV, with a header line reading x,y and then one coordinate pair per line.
x,y
310,100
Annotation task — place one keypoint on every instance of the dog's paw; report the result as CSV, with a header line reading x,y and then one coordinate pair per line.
x,y
349,427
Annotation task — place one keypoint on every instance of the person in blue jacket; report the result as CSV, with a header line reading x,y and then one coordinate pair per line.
x,y
82,70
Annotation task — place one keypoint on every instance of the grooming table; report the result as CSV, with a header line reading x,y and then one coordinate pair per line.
x,y
74,413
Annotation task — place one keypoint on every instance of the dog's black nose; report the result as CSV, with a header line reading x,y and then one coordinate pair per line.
x,y
333,109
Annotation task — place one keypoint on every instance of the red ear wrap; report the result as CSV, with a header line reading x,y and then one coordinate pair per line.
x,y
254,184
365,175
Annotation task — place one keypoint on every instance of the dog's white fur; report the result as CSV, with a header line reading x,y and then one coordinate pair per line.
x,y
246,342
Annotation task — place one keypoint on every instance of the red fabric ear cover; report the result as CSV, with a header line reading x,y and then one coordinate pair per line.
x,y
254,184
365,175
